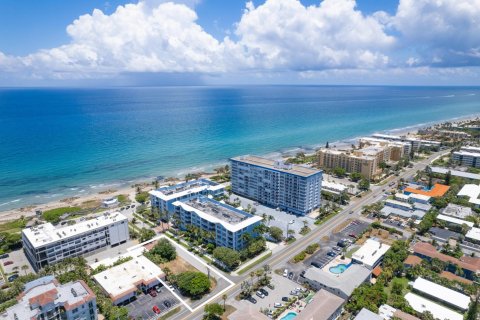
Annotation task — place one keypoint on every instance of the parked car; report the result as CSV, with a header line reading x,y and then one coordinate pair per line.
x,y
167,304
270,286
6,263
338,249
331,254
265,292
285,299
278,305
156,309
158,289
153,293
342,243
4,256
294,293
285,273
13,277
316,264
260,294
351,212
252,299
352,235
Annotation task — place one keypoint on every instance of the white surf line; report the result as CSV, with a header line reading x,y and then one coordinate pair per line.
x,y
231,284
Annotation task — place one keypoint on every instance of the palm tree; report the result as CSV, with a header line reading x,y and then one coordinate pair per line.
x,y
252,275
224,298
24,268
270,218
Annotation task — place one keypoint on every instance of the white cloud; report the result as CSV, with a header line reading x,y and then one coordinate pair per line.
x,y
279,36
443,32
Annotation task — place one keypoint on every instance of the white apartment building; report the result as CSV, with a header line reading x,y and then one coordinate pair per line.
x,y
467,156
48,244
46,298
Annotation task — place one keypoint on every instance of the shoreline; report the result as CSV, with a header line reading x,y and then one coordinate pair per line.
x,y
108,189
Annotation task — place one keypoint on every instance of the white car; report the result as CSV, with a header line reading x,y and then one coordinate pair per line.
x,y
260,295
278,305
285,273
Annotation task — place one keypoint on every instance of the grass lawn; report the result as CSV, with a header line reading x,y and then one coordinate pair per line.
x,y
53,215
13,226
179,265
403,281
170,313
350,253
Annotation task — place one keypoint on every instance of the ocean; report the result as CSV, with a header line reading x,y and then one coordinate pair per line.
x,y
57,143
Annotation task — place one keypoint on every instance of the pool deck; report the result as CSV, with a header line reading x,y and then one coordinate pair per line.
x,y
338,260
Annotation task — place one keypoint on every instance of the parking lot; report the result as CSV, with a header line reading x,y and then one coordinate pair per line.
x,y
20,263
283,287
280,218
142,307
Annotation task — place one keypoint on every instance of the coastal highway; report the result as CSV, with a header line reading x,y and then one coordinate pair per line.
x,y
277,260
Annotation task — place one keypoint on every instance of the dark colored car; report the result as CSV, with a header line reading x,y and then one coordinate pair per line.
x,y
341,244
252,300
285,299
153,293
3,256
352,235
290,275
12,278
331,254
167,304
316,264
6,263
265,292
156,309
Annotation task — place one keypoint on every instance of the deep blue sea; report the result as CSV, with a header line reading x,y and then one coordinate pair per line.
x,y
56,143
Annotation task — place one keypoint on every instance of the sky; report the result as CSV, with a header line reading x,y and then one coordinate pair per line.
x,y
215,42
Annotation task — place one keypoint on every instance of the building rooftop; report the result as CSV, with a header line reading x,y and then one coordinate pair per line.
x,y
456,173
419,197
454,220
473,233
398,203
370,252
366,314
47,290
179,190
278,165
456,211
412,260
47,233
428,250
322,306
123,279
471,191
216,212
386,211
454,277
470,149
420,304
346,282
438,190
332,186
441,293
401,196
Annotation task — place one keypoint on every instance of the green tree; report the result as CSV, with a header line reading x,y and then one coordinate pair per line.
x,y
212,311
229,257
146,234
448,177
276,233
224,298
364,184
142,197
165,250
339,172
193,284
355,176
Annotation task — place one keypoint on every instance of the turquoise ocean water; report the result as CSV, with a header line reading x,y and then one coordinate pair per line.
x,y
56,143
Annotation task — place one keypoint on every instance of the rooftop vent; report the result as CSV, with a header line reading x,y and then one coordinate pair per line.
x,y
74,293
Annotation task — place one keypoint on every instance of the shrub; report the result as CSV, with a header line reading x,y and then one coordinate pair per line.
x,y
193,284
299,257
230,258
312,248
54,215
165,250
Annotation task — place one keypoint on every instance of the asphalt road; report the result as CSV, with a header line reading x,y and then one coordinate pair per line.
x,y
325,229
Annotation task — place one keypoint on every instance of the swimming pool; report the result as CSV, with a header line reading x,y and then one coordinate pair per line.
x,y
289,316
339,268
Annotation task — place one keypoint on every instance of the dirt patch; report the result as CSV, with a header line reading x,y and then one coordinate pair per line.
x,y
179,265
90,204
342,226
228,311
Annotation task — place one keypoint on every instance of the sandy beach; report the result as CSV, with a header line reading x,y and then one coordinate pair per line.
x,y
29,211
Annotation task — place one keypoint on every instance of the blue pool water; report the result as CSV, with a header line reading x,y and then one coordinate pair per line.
x,y
289,316
339,268
58,143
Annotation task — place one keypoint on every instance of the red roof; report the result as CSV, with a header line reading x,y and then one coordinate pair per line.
x,y
412,260
428,250
438,190
451,276
377,271
44,298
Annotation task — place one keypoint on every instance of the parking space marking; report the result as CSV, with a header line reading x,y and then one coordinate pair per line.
x,y
231,284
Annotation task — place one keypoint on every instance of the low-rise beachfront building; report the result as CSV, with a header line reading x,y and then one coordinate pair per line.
x,y
473,235
164,197
457,211
292,188
48,244
398,204
110,202
467,156
448,297
421,305
454,223
472,192
456,173
323,306
226,222
370,253
333,188
46,298
341,284
416,144
404,214
122,282
469,265
388,312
